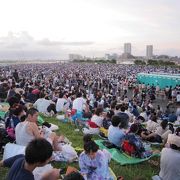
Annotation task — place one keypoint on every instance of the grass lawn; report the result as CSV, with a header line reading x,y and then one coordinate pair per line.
x,y
129,172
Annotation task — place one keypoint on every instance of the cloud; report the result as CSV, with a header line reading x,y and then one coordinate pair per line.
x,y
168,51
16,40
47,42
23,46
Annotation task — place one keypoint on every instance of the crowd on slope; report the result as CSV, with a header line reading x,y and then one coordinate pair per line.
x,y
106,99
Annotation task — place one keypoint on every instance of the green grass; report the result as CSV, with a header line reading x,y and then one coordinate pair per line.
x,y
129,172
144,169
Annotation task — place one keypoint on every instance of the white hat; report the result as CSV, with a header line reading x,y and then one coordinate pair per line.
x,y
174,139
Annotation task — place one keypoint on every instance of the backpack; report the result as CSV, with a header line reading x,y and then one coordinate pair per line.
x,y
132,146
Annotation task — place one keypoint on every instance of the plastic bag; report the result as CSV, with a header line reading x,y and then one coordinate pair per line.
x,y
39,171
69,153
11,150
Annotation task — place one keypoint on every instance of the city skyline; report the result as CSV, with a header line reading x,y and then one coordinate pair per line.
x,y
53,29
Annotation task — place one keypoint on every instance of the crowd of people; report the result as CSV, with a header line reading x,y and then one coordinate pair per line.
x,y
105,99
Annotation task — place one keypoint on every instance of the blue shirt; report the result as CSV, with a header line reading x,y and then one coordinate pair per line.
x,y
115,135
17,171
172,117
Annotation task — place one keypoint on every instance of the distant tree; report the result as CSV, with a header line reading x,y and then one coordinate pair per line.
x,y
139,62
161,63
113,61
152,62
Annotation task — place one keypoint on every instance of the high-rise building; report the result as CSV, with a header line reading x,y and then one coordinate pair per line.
x,y
127,48
75,57
107,56
111,56
149,51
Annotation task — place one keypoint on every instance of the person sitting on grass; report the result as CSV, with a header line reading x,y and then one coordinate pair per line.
x,y
116,131
133,139
95,123
160,134
107,121
152,123
170,159
37,154
28,130
17,112
94,163
44,105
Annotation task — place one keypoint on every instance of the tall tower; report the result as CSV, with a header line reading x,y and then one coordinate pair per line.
x,y
127,48
149,51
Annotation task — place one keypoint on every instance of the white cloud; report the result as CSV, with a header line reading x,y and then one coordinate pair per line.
x,y
22,45
47,42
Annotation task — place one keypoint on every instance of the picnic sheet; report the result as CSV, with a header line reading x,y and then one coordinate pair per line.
x,y
120,157
112,174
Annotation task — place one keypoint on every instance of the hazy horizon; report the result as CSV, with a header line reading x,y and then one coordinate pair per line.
x,y
47,29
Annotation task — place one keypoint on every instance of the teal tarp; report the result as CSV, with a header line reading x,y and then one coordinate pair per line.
x,y
162,80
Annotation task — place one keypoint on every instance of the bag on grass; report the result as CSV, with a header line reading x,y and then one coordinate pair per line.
x,y
40,171
11,150
69,153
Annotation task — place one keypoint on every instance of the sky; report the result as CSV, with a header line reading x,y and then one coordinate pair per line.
x,y
52,29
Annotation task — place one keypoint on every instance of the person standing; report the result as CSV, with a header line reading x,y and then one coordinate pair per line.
x,y
16,75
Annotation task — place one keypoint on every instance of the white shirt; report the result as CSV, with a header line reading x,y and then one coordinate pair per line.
x,y
160,131
61,102
170,164
178,98
152,126
97,120
42,104
78,104
22,135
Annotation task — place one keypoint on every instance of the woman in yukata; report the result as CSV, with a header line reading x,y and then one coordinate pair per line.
x,y
94,163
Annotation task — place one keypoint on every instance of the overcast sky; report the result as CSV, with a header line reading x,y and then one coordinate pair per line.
x,y
43,29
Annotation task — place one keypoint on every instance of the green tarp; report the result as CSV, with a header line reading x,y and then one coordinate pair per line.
x,y
40,120
120,157
2,113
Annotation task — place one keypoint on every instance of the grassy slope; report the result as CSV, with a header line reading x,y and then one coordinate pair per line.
x,y
144,169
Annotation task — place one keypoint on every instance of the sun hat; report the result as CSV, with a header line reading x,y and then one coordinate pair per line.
x,y
174,139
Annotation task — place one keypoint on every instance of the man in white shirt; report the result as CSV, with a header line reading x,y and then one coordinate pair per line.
x,y
170,159
61,104
42,104
79,102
